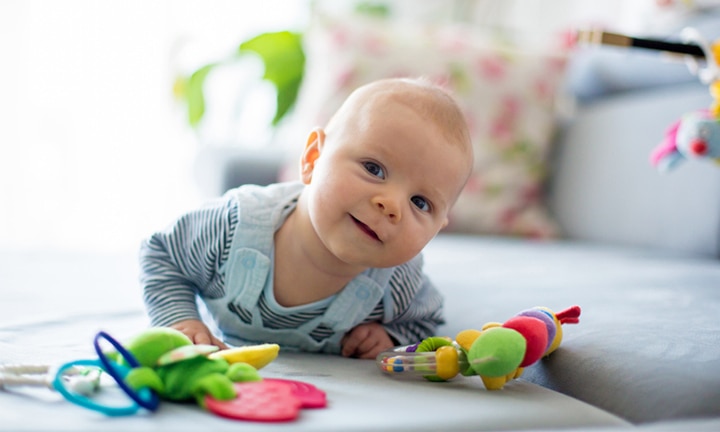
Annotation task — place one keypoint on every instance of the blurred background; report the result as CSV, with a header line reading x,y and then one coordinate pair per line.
x,y
96,152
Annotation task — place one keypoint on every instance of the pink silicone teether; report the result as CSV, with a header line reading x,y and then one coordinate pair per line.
x,y
309,395
258,401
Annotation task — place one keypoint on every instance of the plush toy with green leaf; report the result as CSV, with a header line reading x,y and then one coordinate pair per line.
x,y
180,371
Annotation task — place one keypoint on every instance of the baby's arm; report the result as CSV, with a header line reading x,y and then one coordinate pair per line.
x,y
366,341
179,263
417,312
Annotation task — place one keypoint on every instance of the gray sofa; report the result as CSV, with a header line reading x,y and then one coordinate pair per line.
x,y
639,255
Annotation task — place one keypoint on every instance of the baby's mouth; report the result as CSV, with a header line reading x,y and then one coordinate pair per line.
x,y
366,229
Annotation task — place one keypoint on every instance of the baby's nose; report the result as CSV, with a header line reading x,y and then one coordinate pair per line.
x,y
388,206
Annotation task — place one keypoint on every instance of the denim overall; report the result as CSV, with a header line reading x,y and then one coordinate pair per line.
x,y
248,274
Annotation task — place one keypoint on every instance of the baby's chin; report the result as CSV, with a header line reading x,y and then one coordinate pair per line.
x,y
376,260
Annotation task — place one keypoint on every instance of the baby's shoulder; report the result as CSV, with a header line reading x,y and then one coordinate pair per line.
x,y
408,276
251,193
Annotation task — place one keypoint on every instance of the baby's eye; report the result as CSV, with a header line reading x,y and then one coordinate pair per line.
x,y
420,203
374,169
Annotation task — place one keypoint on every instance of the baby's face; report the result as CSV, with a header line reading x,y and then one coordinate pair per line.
x,y
381,190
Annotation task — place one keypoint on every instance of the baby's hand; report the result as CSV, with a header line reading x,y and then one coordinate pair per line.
x,y
366,341
198,332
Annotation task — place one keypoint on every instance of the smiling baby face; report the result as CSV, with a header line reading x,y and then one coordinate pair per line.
x,y
384,175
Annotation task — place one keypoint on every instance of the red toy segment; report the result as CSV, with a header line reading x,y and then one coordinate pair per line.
x,y
263,401
269,400
570,315
535,334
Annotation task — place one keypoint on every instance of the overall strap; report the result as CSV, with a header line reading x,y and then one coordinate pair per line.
x,y
357,300
259,214
248,269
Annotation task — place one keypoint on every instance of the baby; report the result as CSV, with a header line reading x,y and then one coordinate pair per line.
x,y
331,263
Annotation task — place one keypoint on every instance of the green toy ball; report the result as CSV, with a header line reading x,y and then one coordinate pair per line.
x,y
497,352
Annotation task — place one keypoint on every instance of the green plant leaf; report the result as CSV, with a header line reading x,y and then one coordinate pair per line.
x,y
194,94
284,60
374,9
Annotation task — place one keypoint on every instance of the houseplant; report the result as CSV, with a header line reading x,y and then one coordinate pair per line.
x,y
283,58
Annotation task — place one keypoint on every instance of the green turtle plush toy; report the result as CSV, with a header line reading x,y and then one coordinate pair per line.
x,y
163,363
179,371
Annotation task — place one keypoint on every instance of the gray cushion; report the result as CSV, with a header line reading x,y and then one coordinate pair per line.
x,y
646,348
648,343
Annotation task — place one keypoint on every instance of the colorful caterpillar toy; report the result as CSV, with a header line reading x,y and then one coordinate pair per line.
x,y
497,353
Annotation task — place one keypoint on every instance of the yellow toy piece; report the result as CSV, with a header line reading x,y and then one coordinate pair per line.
x,y
446,358
491,324
466,338
257,356
497,383
715,92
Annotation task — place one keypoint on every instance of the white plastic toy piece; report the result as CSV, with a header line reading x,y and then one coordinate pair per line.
x,y
81,381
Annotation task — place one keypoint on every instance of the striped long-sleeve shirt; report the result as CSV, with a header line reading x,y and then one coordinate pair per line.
x,y
186,261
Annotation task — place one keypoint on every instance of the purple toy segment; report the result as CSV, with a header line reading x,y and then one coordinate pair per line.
x,y
545,318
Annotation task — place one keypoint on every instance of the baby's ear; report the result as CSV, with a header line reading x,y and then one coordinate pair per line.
x,y
312,151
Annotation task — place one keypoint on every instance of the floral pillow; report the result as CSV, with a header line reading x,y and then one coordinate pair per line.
x,y
508,96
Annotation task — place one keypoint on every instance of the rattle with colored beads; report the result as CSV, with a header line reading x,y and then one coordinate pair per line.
x,y
497,353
